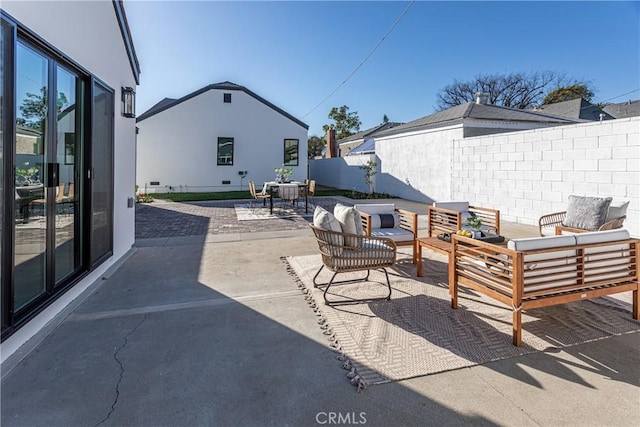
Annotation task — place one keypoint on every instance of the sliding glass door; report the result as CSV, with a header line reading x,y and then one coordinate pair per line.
x,y
48,158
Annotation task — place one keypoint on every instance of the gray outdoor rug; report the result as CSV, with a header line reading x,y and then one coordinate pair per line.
x,y
417,332
247,212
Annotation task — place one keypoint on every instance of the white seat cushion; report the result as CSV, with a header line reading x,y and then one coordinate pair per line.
x,y
376,208
395,234
601,236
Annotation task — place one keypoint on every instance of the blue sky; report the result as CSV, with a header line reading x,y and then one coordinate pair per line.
x,y
294,54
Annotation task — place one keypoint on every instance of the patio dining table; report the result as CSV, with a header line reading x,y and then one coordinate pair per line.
x,y
272,186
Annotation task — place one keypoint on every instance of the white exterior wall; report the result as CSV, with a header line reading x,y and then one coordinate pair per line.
x,y
89,36
417,165
343,172
525,174
530,173
178,146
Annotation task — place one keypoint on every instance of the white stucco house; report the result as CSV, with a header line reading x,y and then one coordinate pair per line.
x,y
82,153
216,139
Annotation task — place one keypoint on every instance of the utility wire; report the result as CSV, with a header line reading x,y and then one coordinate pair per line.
x,y
404,12
620,96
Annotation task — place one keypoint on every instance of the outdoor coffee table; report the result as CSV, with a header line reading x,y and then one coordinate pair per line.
x,y
440,246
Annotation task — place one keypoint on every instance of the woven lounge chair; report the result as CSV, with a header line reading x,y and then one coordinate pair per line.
x,y
557,222
364,253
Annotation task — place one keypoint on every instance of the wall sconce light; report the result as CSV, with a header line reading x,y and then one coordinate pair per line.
x,y
128,102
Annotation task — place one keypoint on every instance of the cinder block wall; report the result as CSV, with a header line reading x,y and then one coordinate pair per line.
x,y
526,174
342,172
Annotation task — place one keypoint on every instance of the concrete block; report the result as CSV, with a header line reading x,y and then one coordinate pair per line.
x,y
632,152
633,139
516,157
524,147
573,132
611,165
573,176
532,155
580,154
551,134
515,138
524,166
587,142
613,190
544,165
585,165
551,175
552,155
597,129
507,166
633,165
524,204
507,148
500,157
599,177
598,153
562,144
585,188
626,127
620,178
532,136
566,187
612,141
562,165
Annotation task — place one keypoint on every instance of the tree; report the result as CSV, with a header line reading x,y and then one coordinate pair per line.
x,y
346,123
385,119
315,145
34,109
369,169
567,93
515,90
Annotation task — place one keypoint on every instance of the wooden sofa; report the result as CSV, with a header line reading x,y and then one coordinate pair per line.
x,y
449,217
544,271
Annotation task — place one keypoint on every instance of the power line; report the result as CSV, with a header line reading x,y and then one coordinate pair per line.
x,y
620,96
404,12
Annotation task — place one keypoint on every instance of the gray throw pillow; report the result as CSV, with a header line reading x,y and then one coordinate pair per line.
x,y
586,213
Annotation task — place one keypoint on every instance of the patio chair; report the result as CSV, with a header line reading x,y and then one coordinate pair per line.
x,y
585,213
385,220
257,196
363,253
310,190
449,217
288,193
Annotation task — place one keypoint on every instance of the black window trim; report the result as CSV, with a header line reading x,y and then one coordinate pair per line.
x,y
284,154
233,142
226,98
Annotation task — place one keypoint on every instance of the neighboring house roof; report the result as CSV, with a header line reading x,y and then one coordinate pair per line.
x,y
167,103
473,110
368,132
127,39
623,110
368,146
578,108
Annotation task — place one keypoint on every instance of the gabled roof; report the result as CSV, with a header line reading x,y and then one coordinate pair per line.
x,y
578,108
472,110
167,103
368,132
623,110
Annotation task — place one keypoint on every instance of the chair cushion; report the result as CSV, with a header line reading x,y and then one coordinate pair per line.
x,y
376,208
616,210
350,222
533,243
454,206
586,213
395,234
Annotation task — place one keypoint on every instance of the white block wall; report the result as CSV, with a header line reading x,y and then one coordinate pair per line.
x,y
343,172
529,173
525,174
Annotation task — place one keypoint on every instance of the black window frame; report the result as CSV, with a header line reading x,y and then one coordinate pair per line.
x,y
223,140
226,98
289,162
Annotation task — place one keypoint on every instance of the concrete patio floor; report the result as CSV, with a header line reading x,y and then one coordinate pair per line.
x,y
209,329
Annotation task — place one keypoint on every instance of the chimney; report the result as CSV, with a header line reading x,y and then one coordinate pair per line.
x,y
331,143
482,98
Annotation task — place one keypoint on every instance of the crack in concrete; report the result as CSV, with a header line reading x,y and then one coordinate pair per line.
x,y
115,357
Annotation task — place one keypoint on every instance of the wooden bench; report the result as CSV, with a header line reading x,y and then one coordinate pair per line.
x,y
544,271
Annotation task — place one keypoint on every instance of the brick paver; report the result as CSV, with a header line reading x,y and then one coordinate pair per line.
x,y
168,219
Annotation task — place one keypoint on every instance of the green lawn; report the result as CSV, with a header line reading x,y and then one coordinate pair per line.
x,y
235,195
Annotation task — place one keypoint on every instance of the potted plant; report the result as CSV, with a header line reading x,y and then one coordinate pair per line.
x,y
475,223
283,174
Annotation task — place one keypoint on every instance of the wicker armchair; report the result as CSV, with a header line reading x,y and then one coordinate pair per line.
x,y
553,222
364,253
256,195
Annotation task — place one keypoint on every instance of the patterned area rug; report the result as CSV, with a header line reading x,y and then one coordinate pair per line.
x,y
247,212
417,332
